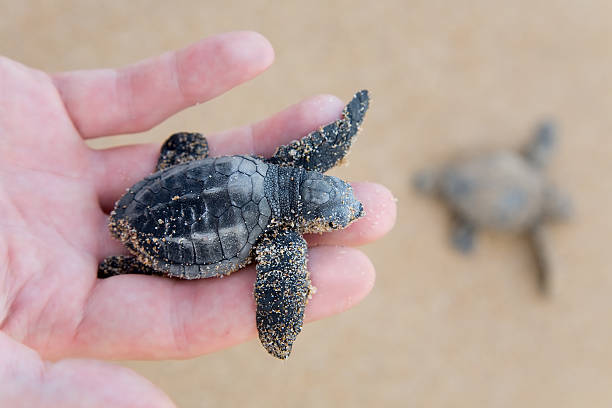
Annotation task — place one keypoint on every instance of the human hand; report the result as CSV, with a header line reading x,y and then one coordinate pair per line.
x,y
55,196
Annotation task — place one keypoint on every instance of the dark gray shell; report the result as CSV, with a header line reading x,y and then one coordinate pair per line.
x,y
198,219
500,190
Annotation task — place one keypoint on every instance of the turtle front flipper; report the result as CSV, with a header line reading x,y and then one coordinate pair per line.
x,y
121,265
324,148
463,234
281,290
539,150
182,147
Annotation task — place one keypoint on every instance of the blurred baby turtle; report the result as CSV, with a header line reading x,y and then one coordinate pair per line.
x,y
199,217
504,191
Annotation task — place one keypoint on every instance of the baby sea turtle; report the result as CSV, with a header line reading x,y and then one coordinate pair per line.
x,y
199,217
504,191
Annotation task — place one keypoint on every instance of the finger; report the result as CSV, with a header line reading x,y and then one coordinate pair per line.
x,y
27,381
150,317
380,213
119,168
137,97
262,138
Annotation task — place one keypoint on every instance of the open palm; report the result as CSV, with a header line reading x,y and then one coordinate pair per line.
x,y
55,194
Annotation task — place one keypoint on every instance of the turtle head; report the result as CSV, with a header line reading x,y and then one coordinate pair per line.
x,y
327,203
427,181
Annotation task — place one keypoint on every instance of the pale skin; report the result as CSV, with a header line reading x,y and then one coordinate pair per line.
x,y
55,194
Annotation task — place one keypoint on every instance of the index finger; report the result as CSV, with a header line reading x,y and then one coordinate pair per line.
x,y
107,102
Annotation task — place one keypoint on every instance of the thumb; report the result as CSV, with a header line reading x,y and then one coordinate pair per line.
x,y
28,381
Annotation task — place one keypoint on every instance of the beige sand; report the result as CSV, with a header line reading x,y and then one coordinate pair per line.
x,y
439,329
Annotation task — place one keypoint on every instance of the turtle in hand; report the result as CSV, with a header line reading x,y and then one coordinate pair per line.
x,y
199,217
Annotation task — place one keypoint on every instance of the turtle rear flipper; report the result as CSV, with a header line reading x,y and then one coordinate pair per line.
x,y
281,290
324,148
122,265
542,257
180,148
